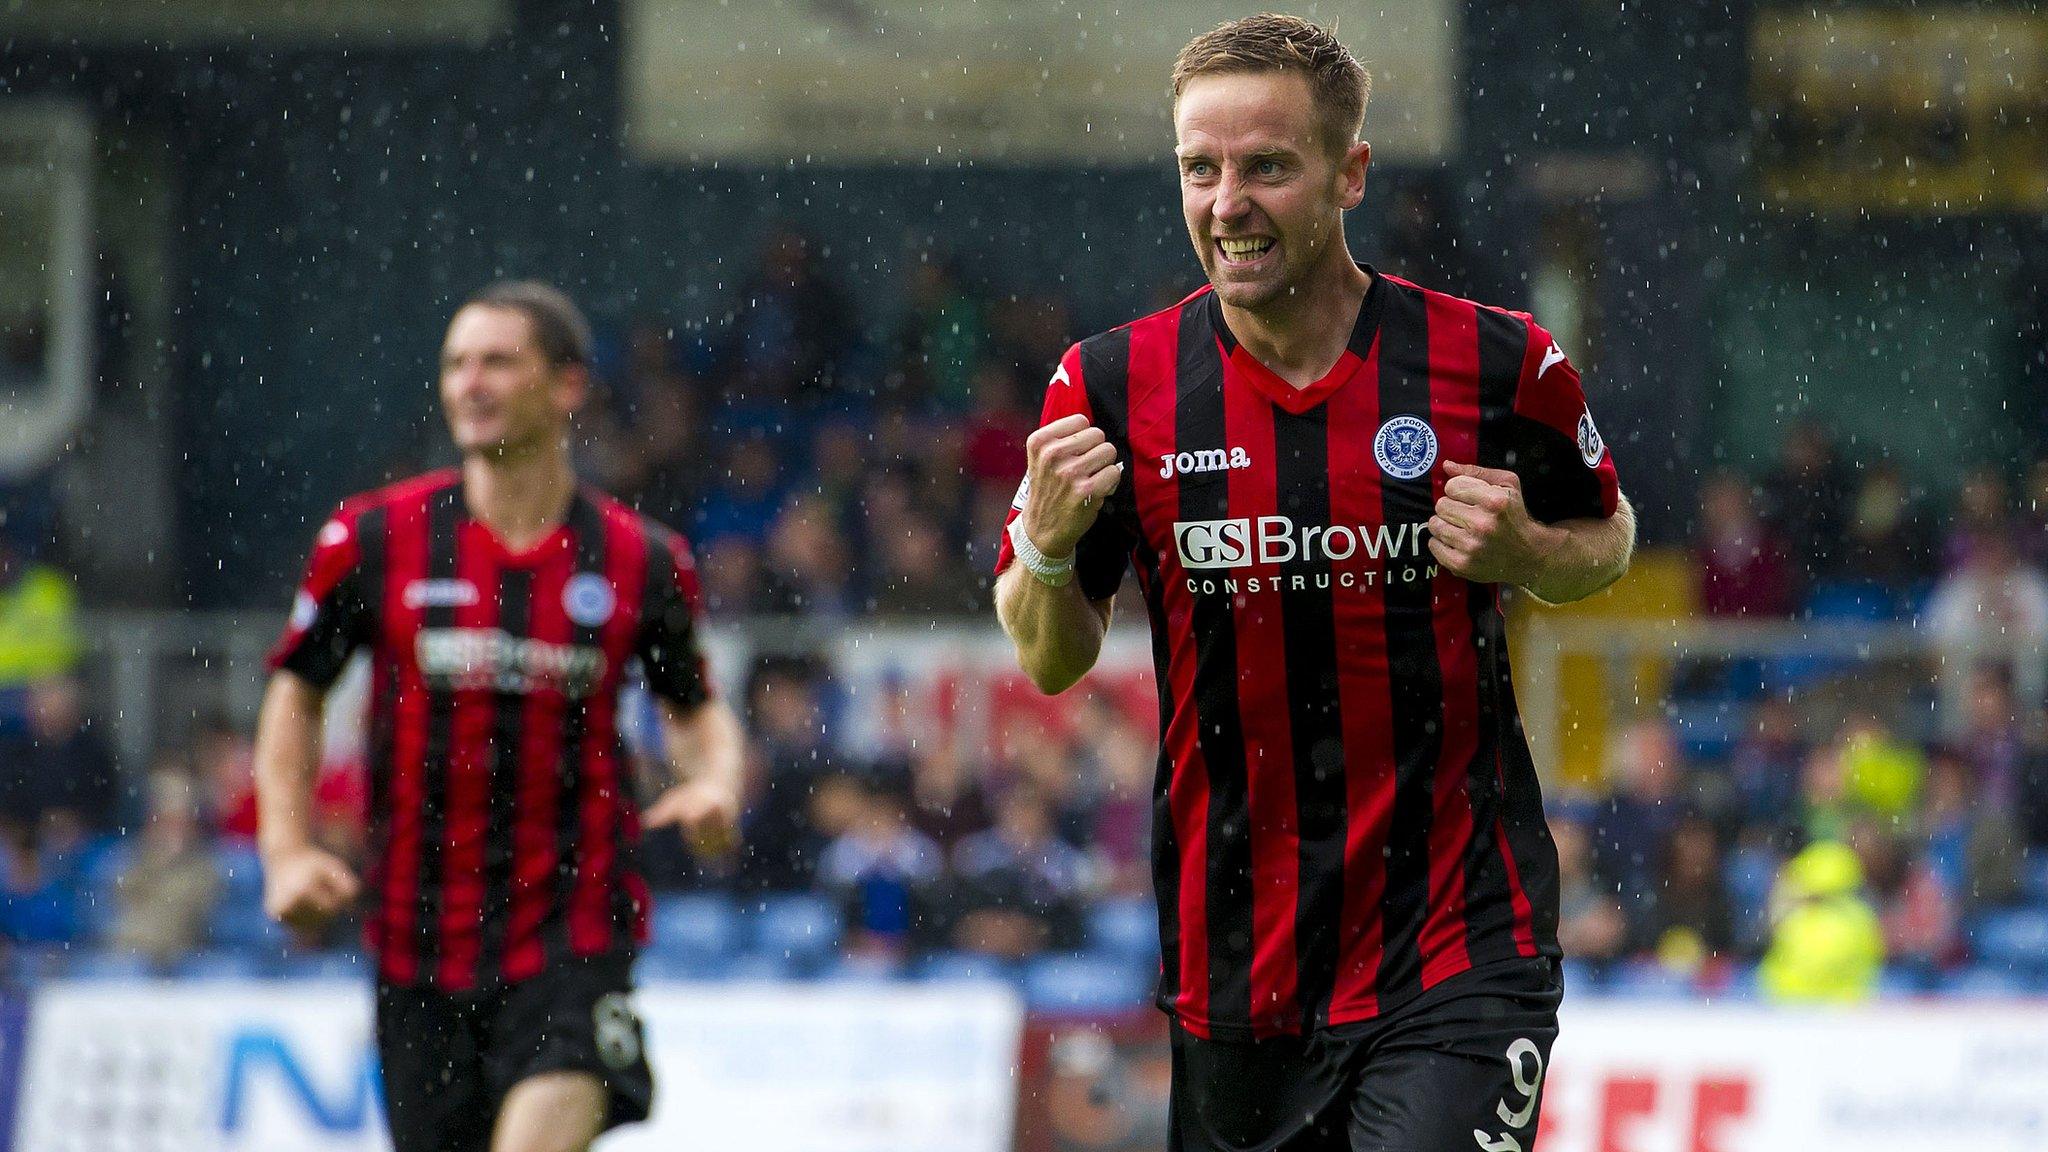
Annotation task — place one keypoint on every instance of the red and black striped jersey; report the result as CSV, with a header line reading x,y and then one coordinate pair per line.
x,y
503,821
1345,810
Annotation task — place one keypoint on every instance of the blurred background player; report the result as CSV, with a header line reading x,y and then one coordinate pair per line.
x,y
502,604
1322,473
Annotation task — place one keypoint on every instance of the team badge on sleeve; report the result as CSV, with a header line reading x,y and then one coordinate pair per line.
x,y
588,599
1405,447
1591,447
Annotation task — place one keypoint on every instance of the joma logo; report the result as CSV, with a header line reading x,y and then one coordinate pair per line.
x,y
1207,460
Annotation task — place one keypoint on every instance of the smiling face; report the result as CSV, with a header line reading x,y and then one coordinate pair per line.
x,y
500,392
1263,189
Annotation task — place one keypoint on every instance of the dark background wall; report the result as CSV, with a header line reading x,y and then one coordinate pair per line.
x,y
332,204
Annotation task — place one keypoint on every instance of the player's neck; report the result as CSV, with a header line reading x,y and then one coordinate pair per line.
x,y
1302,335
519,496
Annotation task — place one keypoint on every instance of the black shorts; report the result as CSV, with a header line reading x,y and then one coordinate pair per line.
x,y
449,1059
1458,1069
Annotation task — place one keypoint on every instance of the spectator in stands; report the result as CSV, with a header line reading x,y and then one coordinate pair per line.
x,y
1120,838
947,803
1888,547
996,429
59,775
2033,514
917,573
1690,924
40,888
1019,886
39,636
169,888
224,757
1983,513
1590,926
942,339
808,566
1992,608
1993,742
1743,568
1881,773
1970,840
839,465
886,875
747,495
729,575
1825,809
1918,912
668,429
786,716
1805,501
1826,942
1647,777
1764,769
792,331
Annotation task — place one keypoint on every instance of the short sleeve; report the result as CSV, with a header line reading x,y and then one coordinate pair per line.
x,y
1566,468
1105,549
330,615
669,649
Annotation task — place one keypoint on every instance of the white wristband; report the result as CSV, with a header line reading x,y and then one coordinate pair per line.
x,y
1048,570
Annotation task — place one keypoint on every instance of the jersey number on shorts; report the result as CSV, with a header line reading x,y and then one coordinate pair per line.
x,y
1528,1086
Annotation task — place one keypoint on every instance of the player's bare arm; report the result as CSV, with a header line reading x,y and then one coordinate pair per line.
x,y
304,885
1482,531
706,755
1057,630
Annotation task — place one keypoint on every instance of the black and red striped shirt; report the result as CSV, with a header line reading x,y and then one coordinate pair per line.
x,y
1345,811
503,819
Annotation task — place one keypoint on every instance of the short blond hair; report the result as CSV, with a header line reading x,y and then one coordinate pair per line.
x,y
1270,42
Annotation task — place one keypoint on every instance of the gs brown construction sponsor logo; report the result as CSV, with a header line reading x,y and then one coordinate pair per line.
x,y
1272,541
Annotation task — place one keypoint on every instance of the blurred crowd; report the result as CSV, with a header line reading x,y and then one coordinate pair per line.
x,y
1768,828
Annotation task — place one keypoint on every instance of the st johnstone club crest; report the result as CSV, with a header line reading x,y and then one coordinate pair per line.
x,y
1405,447
588,599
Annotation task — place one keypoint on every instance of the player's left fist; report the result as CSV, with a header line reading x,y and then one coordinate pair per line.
x,y
706,812
1482,530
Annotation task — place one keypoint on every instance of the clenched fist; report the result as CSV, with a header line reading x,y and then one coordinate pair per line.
x,y
306,887
1483,531
1071,469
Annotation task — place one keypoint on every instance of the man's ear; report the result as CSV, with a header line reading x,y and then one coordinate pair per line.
x,y
1351,174
572,387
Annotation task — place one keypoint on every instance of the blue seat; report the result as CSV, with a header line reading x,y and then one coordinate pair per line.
x,y
241,872
219,965
1128,928
1647,980
1984,981
100,896
2034,878
861,970
109,966
2017,941
760,966
963,968
798,928
323,966
697,929
1084,983
656,966
242,925
1708,729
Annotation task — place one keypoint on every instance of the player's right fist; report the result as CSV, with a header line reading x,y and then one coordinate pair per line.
x,y
305,887
1072,468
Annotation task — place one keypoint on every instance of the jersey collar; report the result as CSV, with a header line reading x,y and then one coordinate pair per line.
x,y
1268,383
